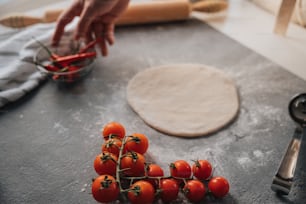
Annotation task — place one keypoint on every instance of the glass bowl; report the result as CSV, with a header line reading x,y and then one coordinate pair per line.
x,y
72,72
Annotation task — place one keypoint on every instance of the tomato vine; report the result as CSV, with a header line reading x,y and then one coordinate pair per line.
x,y
143,182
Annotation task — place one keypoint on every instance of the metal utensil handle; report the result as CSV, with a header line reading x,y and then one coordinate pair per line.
x,y
282,181
288,164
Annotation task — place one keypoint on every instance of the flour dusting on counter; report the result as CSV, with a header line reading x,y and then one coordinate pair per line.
x,y
60,128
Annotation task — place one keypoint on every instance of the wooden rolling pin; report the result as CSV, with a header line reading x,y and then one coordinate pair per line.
x,y
137,12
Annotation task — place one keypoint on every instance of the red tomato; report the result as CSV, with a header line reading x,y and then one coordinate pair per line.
x,y
105,189
154,170
137,142
218,186
106,163
194,190
180,169
134,163
113,129
169,190
112,145
141,192
202,169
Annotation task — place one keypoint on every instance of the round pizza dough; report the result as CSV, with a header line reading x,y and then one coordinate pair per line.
x,y
185,100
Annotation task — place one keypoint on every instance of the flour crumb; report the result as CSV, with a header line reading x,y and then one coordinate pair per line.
x,y
244,161
258,153
84,187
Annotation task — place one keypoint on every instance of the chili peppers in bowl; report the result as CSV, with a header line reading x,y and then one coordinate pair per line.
x,y
69,62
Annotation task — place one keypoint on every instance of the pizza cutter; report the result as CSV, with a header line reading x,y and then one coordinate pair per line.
x,y
283,179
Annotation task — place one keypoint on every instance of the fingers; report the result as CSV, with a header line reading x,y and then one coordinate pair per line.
x,y
84,24
65,18
88,37
98,30
60,27
96,21
109,33
119,8
104,33
92,10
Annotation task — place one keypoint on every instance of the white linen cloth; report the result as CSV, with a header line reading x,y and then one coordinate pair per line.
x,y
18,77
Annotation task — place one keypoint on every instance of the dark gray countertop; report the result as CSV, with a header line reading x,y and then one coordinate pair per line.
x,y
50,137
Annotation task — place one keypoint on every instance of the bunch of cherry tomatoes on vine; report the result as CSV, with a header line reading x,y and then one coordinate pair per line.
x,y
125,174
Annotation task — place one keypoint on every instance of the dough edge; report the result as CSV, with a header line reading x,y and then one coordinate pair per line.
x,y
186,134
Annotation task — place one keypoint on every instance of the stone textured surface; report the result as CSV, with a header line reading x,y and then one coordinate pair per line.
x,y
49,138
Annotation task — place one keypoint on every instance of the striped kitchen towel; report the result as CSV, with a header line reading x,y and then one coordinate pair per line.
x,y
17,47
18,77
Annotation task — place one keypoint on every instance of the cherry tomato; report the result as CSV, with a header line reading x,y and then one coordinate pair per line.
x,y
113,130
141,192
202,169
133,163
180,169
218,186
105,163
137,142
154,170
194,190
105,189
169,190
112,145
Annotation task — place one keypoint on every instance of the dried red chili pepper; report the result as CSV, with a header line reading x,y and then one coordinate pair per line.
x,y
48,67
51,68
66,60
66,64
55,77
72,76
90,45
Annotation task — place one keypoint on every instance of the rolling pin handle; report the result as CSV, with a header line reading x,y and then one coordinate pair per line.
x,y
52,15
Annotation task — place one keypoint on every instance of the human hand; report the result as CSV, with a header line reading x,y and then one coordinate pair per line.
x,y
96,21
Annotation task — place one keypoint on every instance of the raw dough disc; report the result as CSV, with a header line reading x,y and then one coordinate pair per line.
x,y
185,100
